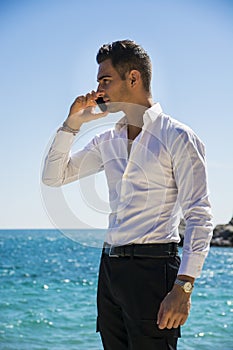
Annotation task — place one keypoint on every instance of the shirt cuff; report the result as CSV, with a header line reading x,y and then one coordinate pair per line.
x,y
63,141
191,264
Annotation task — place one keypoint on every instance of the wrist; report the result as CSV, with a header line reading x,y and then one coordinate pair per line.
x,y
185,286
72,123
67,128
179,292
186,278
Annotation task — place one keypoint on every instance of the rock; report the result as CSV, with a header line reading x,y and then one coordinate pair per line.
x,y
222,234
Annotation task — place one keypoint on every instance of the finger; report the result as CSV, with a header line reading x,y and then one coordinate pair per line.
x,y
183,320
98,94
91,115
160,314
80,99
79,102
88,96
163,320
90,99
173,322
163,323
170,323
176,323
94,95
84,101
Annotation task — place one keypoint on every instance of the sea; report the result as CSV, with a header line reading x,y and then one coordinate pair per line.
x,y
48,283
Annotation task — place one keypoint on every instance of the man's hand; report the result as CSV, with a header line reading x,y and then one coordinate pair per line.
x,y
174,309
83,110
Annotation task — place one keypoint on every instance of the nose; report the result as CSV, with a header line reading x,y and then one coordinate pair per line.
x,y
100,90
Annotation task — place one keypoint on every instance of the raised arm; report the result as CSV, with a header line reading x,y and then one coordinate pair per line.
x,y
60,165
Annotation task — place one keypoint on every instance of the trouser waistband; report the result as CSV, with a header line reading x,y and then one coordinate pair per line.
x,y
155,250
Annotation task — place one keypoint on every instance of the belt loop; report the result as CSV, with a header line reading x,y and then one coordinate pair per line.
x,y
111,252
132,251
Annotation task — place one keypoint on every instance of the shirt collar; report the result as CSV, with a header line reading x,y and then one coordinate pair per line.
x,y
149,117
121,123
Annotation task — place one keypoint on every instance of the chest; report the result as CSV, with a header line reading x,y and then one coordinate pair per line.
x,y
145,160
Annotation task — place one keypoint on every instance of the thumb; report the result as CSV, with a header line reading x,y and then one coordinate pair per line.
x,y
100,115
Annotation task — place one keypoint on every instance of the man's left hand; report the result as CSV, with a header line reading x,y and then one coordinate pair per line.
x,y
174,309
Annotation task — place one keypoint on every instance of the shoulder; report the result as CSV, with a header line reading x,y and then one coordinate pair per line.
x,y
171,125
175,130
176,136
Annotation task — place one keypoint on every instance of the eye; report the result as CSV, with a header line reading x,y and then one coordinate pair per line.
x,y
106,81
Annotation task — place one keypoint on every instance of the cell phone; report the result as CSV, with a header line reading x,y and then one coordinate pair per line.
x,y
100,102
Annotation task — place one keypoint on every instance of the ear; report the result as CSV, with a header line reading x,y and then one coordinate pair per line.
x,y
134,77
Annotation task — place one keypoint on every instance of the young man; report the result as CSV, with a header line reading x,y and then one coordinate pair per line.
x,y
154,166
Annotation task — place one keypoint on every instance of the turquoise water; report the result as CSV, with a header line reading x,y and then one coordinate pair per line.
x,y
48,295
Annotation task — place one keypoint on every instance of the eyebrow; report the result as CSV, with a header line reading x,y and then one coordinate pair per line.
x,y
103,76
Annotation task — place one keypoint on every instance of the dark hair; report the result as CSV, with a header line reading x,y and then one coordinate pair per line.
x,y
125,56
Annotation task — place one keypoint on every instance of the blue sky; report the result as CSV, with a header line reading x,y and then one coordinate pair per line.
x,y
47,58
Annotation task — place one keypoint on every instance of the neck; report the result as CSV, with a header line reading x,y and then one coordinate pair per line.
x,y
134,113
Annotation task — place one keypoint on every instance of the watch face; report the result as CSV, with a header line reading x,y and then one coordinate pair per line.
x,y
188,287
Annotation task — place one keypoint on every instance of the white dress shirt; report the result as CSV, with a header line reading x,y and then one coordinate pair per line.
x,y
164,175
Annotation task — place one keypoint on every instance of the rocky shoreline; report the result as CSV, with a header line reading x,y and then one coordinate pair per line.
x,y
222,234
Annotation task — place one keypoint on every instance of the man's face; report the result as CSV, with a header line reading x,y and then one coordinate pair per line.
x,y
113,89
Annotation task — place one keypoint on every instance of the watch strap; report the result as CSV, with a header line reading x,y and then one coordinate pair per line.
x,y
183,284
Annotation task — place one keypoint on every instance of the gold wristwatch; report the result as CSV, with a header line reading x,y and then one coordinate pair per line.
x,y
185,285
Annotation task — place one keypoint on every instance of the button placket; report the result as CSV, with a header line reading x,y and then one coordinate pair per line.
x,y
124,181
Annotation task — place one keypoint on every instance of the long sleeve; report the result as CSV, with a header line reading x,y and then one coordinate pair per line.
x,y
62,167
191,178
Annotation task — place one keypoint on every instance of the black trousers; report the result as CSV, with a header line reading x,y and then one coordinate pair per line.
x,y
130,291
